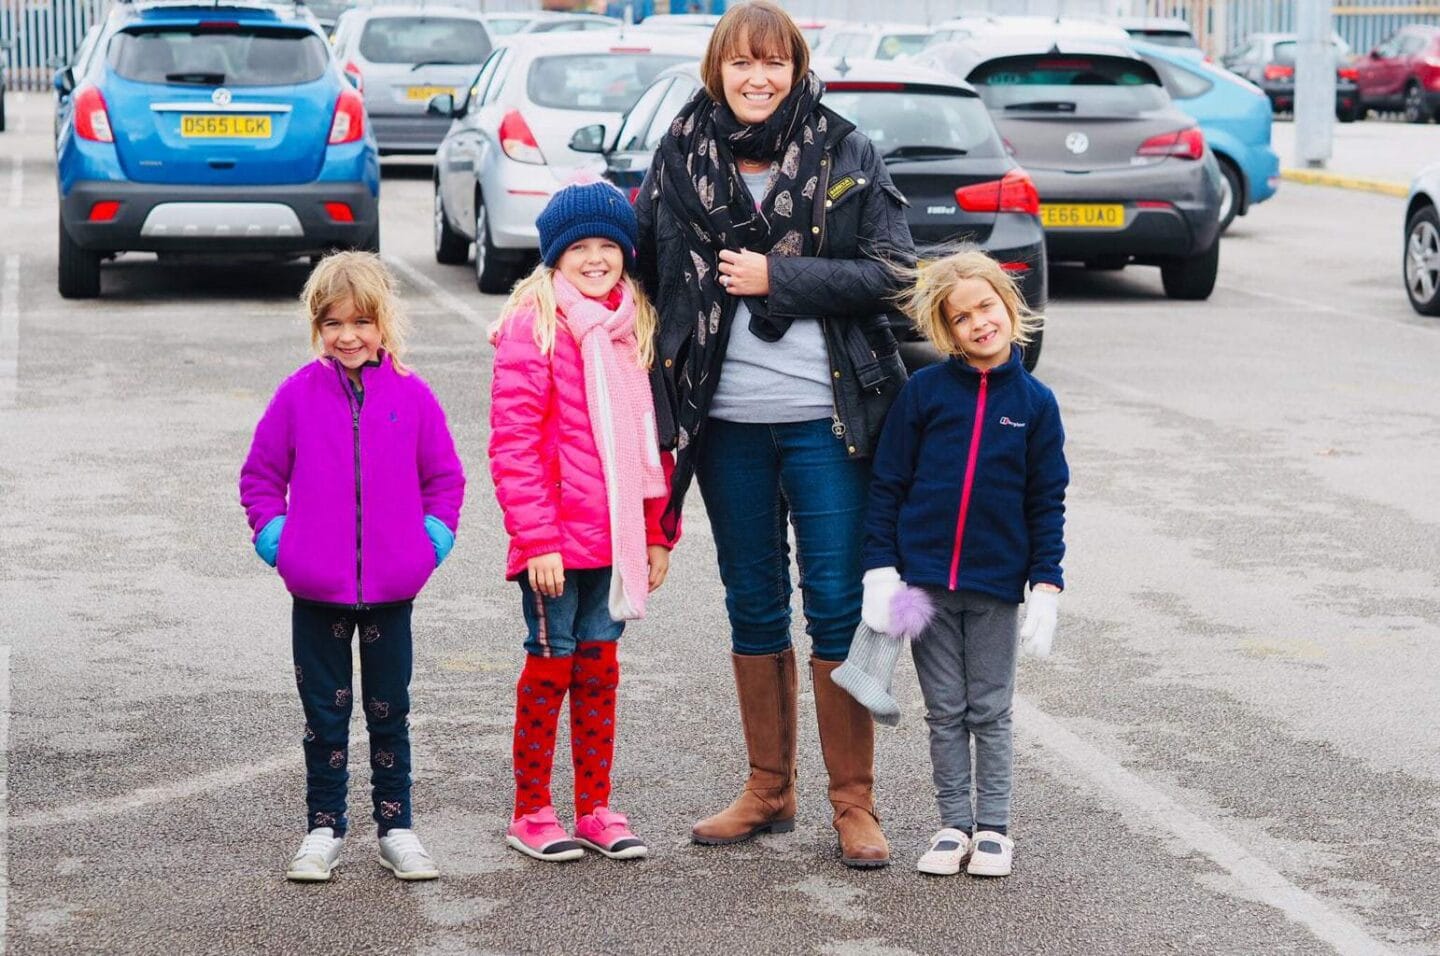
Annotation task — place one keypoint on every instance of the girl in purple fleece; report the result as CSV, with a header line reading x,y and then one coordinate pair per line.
x,y
353,490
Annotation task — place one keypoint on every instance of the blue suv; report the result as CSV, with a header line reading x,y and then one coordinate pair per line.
x,y
211,130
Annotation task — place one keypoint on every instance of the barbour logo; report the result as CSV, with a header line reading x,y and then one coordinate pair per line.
x,y
840,188
1007,420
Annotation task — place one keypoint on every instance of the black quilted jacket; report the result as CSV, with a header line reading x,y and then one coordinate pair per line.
x,y
848,286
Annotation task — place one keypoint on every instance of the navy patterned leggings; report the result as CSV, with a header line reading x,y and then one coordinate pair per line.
x,y
322,638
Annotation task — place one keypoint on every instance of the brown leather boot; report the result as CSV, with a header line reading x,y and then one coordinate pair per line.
x,y
766,686
847,739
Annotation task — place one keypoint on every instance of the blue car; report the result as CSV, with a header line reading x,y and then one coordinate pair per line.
x,y
212,131
1234,115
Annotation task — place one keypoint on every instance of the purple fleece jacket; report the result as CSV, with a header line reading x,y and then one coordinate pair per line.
x,y
361,478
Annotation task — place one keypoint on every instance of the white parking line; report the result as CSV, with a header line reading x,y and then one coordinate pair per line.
x,y
17,182
1157,811
9,330
4,793
221,779
433,289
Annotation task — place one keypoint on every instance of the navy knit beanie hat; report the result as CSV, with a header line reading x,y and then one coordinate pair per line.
x,y
587,210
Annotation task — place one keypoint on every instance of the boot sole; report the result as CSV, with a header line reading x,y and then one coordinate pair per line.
x,y
865,864
774,826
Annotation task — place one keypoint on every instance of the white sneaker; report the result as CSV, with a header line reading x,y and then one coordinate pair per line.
x,y
948,849
319,853
402,853
990,854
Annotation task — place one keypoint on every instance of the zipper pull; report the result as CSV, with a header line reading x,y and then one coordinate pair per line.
x,y
837,427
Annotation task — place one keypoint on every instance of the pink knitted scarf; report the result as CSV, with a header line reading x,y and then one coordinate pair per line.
x,y
622,416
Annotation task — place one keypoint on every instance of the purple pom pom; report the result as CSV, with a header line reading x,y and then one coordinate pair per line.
x,y
910,613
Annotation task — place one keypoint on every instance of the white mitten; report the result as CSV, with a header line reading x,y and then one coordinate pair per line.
x,y
1038,632
881,586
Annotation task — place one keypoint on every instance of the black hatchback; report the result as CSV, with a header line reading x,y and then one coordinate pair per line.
x,y
938,142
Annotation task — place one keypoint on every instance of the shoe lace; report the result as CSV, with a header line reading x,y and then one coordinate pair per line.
x,y
405,843
314,844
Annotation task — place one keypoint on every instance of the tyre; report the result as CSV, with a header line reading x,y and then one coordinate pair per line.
x,y
1347,114
1231,194
2,111
492,270
1032,351
1422,261
1415,105
1193,278
451,248
79,272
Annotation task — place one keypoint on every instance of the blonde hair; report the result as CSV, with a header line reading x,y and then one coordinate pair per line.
x,y
363,279
537,291
929,285
764,29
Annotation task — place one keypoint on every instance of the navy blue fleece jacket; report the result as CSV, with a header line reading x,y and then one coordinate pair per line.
x,y
969,482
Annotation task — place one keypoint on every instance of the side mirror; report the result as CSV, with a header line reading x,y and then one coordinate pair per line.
x,y
442,104
64,82
589,139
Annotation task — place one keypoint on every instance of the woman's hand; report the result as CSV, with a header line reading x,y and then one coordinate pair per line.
x,y
659,557
547,574
744,273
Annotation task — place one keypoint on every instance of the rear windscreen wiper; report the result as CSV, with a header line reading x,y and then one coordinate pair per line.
x,y
922,152
208,79
435,63
1045,106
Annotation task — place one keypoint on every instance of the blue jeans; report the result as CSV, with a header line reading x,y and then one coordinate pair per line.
x,y
757,478
323,641
580,613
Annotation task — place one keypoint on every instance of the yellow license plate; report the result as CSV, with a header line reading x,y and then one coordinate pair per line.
x,y
424,93
1082,215
224,126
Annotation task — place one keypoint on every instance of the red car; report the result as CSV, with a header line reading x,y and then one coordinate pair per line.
x,y
1403,73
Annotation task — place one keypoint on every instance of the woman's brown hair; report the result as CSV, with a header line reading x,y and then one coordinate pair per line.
x,y
755,28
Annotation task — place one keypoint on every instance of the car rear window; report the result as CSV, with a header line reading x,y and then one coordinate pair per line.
x,y
1059,83
1284,52
916,119
212,55
424,40
896,45
602,81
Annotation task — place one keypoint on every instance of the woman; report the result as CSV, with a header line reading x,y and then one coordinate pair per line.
x,y
769,232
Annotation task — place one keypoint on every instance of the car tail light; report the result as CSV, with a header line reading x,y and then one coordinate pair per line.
x,y
1186,143
339,212
517,141
353,71
349,122
104,211
850,86
1013,192
1015,267
1348,73
92,122
1154,204
1275,71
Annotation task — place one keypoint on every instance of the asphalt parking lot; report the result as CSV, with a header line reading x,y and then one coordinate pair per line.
x,y
1234,749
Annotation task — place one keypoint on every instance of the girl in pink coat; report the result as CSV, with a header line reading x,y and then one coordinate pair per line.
x,y
582,482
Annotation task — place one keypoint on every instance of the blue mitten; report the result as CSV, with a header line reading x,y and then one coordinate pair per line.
x,y
267,542
441,537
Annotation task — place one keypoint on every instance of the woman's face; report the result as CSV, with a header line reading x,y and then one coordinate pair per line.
x,y
754,86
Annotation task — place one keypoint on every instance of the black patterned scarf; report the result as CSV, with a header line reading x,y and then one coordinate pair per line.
x,y
701,184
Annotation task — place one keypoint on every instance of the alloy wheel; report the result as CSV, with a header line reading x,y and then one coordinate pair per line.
x,y
1422,261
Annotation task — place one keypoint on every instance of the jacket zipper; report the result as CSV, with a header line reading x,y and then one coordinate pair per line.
x,y
359,564
837,424
969,476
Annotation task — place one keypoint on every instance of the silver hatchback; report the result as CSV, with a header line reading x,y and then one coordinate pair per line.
x,y
400,57
509,147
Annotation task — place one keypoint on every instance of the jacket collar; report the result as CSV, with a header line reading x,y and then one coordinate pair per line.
x,y
837,129
1006,370
369,372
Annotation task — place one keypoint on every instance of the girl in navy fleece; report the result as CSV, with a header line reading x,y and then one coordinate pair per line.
x,y
968,504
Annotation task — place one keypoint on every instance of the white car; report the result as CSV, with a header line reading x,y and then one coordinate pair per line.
x,y
514,22
964,28
873,41
508,146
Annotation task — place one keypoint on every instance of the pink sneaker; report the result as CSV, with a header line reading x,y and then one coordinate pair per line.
x,y
608,832
541,836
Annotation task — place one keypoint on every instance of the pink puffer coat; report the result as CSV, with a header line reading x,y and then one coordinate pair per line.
x,y
547,471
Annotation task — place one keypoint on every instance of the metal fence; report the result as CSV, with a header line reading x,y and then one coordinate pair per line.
x,y
1221,24
44,33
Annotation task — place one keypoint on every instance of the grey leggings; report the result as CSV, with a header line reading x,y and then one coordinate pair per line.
x,y
966,666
